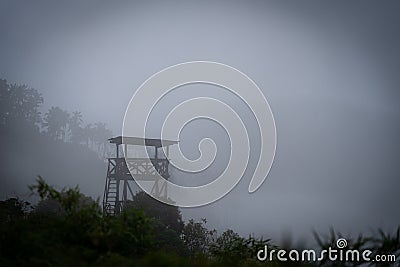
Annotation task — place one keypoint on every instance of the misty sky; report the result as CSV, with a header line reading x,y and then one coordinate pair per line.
x,y
329,70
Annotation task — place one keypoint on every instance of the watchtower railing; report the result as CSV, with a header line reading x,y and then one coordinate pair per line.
x,y
141,168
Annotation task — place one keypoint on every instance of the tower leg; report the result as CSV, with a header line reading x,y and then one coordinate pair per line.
x,y
160,189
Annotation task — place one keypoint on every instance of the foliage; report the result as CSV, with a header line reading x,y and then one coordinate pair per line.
x,y
66,202
231,248
197,237
76,232
75,122
80,233
61,125
56,123
19,110
167,219
19,103
13,209
168,216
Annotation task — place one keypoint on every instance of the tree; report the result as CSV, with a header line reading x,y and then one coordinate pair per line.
x,y
197,237
87,134
231,248
76,130
56,122
19,103
12,209
167,220
168,216
100,136
81,236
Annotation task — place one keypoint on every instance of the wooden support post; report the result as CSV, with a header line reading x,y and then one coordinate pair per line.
x,y
117,200
125,196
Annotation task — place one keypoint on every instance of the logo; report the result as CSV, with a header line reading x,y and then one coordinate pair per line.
x,y
160,84
341,243
341,254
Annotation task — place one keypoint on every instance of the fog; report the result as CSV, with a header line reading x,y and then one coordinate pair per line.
x,y
329,71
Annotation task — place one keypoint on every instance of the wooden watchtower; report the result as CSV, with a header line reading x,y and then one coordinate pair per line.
x,y
119,180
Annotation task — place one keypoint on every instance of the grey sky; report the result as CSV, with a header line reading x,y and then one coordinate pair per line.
x,y
330,71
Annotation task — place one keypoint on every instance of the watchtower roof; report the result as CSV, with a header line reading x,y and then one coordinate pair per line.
x,y
139,141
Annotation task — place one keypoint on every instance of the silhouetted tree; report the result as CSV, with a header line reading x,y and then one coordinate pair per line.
x,y
168,216
75,128
88,132
231,248
13,209
197,237
100,136
19,103
56,123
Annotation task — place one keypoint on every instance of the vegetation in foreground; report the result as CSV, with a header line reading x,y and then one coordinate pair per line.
x,y
68,229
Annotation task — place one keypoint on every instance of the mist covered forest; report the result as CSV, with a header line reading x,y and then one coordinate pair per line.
x,y
66,227
54,143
